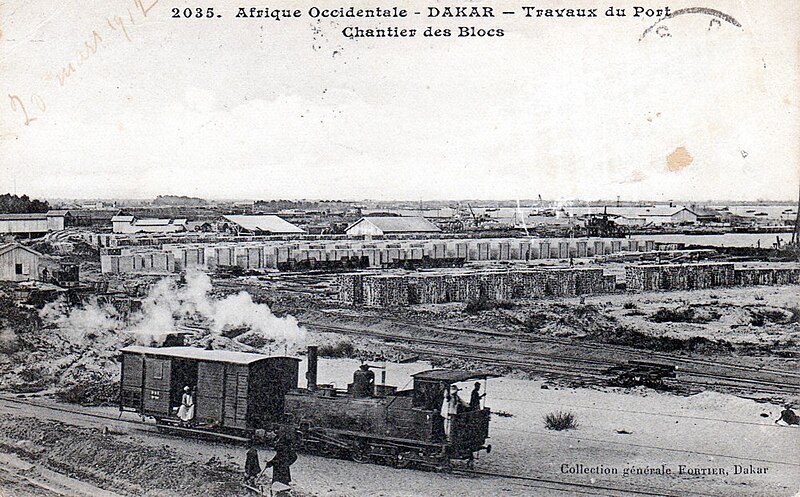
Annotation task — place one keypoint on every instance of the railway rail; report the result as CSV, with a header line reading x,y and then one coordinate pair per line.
x,y
526,481
772,381
582,488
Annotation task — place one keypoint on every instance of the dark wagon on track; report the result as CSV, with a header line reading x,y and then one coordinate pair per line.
x,y
245,395
233,391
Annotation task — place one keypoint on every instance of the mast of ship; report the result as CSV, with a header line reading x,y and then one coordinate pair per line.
x,y
796,232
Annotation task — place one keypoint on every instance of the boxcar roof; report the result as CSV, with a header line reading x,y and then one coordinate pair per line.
x,y
451,375
201,354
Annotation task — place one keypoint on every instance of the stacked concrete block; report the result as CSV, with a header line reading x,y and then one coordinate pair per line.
x,y
599,248
385,291
495,286
679,276
767,276
589,281
642,278
504,249
609,283
428,289
754,276
581,249
351,288
483,251
544,250
559,282
277,252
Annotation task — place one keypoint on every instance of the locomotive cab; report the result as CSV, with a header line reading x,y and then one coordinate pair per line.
x,y
463,427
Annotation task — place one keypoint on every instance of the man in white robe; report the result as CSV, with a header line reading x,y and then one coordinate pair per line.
x,y
186,410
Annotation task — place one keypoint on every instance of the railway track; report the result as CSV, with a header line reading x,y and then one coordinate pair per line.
x,y
526,481
580,366
582,488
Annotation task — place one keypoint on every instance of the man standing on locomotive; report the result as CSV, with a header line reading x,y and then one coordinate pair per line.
x,y
450,405
475,398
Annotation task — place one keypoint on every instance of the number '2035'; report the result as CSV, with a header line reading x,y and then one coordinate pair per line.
x,y
189,12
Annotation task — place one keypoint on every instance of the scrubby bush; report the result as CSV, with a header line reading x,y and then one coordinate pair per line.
x,y
682,315
794,315
479,304
761,317
92,389
9,342
629,305
504,304
560,421
255,340
535,321
339,350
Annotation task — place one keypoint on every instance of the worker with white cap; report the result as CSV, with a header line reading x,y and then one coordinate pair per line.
x,y
450,405
186,411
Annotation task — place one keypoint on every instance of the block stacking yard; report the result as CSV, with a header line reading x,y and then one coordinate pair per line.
x,y
696,276
387,290
283,254
394,290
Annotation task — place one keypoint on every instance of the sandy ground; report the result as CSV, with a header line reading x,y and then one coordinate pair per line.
x,y
617,430
20,478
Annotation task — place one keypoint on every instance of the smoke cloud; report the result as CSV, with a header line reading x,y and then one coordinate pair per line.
x,y
170,307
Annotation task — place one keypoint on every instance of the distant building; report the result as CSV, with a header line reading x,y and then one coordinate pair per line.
x,y
33,225
391,225
19,263
95,218
258,225
130,224
669,215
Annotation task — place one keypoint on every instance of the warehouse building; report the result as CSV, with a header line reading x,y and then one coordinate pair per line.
x,y
18,263
130,224
391,226
258,225
34,224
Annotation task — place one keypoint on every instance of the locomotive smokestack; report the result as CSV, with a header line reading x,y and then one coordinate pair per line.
x,y
311,374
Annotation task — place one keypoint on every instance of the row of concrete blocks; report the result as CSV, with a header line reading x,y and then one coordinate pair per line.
x,y
398,290
767,276
270,256
647,277
139,263
710,275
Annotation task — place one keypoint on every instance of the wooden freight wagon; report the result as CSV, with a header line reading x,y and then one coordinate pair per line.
x,y
232,391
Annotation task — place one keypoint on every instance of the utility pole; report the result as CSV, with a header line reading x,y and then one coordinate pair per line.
x,y
796,232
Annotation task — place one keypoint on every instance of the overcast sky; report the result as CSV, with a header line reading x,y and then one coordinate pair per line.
x,y
248,108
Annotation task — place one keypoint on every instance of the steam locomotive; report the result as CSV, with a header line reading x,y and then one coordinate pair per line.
x,y
247,396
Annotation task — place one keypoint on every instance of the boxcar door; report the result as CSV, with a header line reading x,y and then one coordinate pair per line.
x,y
132,381
235,410
156,386
210,387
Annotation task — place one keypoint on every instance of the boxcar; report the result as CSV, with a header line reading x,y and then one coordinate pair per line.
x,y
233,391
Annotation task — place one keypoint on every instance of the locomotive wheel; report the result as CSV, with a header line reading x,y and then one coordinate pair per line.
x,y
360,454
400,460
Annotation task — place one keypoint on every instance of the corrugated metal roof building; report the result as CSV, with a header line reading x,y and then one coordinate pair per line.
x,y
32,224
258,225
130,224
391,225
